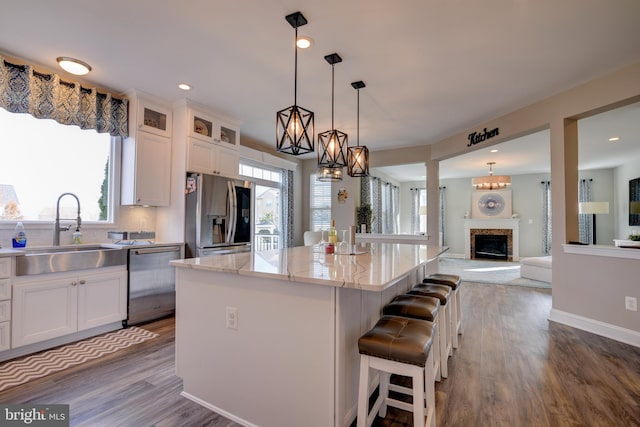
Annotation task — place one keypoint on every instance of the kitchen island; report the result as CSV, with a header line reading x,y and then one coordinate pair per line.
x,y
269,338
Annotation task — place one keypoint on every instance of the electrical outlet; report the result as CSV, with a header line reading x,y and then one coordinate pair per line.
x,y
631,303
232,317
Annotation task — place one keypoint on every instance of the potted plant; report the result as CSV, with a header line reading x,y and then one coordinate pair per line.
x,y
634,237
364,215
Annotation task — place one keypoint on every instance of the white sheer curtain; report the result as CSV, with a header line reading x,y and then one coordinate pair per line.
x,y
546,217
585,221
415,210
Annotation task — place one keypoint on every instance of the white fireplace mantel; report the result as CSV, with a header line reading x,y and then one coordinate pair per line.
x,y
498,223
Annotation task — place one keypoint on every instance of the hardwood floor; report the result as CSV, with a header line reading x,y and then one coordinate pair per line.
x,y
513,368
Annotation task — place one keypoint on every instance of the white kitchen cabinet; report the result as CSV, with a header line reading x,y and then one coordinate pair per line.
x,y
146,152
52,305
5,303
212,142
209,128
146,177
212,159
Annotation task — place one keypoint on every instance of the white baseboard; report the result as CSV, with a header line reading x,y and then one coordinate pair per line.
x,y
217,410
607,330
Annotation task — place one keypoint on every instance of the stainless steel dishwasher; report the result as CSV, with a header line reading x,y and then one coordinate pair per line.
x,y
152,292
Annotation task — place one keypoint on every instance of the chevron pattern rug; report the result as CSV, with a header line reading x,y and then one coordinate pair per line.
x,y
16,372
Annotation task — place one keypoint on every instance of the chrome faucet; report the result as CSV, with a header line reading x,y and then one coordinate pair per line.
x,y
57,229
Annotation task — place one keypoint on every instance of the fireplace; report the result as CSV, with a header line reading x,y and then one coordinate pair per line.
x,y
489,246
492,227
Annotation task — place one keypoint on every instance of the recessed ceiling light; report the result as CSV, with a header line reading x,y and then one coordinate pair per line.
x,y
304,42
614,139
73,66
494,150
184,86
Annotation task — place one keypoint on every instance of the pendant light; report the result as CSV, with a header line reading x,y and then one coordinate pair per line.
x,y
358,156
491,182
332,144
294,125
325,174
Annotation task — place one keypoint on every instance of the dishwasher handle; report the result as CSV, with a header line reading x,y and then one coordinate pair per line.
x,y
164,249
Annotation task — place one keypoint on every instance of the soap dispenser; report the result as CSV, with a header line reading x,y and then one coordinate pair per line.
x,y
19,236
77,237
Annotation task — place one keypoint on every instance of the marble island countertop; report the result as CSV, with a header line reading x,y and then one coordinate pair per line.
x,y
381,266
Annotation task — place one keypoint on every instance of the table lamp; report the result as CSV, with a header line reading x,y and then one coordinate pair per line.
x,y
593,208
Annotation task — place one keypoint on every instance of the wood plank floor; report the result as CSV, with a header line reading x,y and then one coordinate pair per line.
x,y
513,368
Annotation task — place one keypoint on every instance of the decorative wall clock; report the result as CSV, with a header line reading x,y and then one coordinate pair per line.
x,y
491,204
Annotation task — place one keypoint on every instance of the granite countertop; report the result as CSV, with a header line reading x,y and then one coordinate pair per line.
x,y
380,266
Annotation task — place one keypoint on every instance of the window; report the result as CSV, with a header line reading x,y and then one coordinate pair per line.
x,y
267,205
41,159
320,206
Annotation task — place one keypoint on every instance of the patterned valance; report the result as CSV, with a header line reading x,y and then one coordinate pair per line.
x,y
45,96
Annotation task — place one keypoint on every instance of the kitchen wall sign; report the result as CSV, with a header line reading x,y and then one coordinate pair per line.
x,y
477,137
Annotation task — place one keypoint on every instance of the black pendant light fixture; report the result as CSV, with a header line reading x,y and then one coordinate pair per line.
x,y
358,156
332,144
295,133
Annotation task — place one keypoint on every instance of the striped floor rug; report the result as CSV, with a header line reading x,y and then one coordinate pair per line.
x,y
16,372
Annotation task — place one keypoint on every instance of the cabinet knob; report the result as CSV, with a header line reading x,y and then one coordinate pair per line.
x,y
140,125
82,282
74,283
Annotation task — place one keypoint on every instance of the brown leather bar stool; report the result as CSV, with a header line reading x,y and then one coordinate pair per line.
x,y
402,346
443,293
424,308
454,282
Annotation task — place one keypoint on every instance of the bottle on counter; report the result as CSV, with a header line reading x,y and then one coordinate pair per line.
x,y
19,236
333,234
77,237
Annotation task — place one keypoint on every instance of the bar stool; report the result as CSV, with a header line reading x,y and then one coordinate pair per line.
x,y
424,308
402,346
454,282
443,293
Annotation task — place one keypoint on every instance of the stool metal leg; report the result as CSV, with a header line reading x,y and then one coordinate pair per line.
x,y
454,318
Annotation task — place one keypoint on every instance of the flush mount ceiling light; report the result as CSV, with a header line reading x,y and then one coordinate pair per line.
x,y
614,139
294,133
358,156
73,66
325,174
332,144
491,182
304,42
184,86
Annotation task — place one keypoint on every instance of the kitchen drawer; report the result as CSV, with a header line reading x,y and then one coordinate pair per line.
x,y
5,289
5,334
5,267
5,311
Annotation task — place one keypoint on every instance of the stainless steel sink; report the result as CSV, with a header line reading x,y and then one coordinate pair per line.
x,y
53,259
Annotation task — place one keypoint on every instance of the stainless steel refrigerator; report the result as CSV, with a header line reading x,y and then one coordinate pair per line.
x,y
218,215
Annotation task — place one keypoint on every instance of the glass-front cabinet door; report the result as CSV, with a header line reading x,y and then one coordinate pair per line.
x,y
153,118
209,128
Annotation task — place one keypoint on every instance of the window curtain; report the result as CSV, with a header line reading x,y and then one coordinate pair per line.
x,y
415,210
585,221
442,216
45,96
546,217
384,199
287,208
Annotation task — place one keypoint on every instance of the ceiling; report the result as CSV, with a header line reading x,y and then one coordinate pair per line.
x,y
432,68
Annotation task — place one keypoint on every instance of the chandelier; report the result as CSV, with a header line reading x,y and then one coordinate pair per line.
x,y
332,144
491,181
295,133
358,156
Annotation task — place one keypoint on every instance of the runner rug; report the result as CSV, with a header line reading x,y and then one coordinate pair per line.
x,y
19,371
